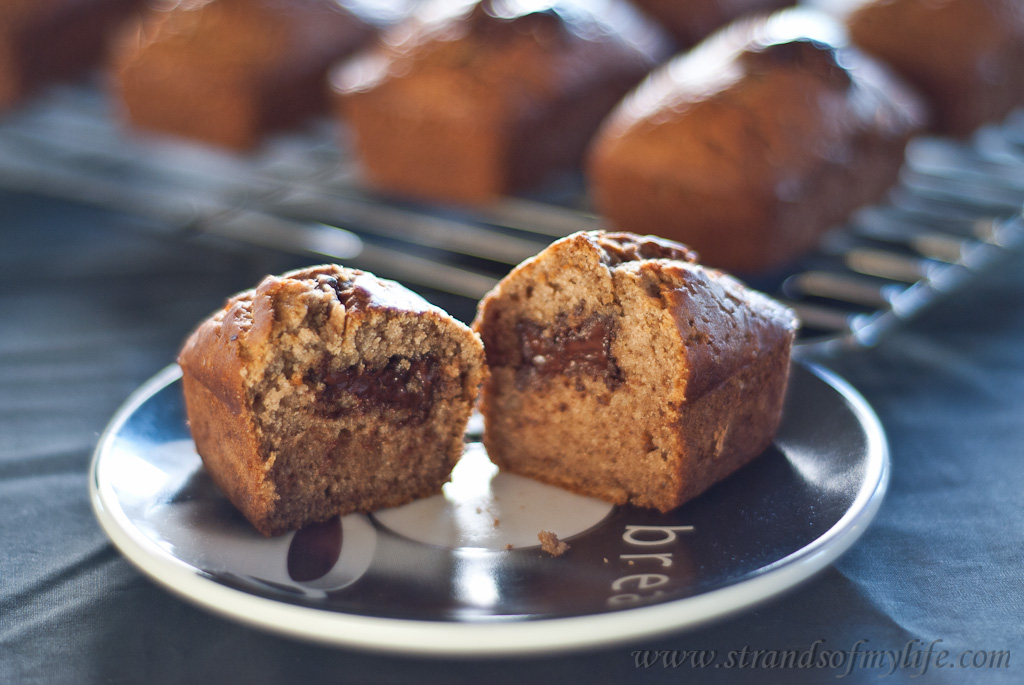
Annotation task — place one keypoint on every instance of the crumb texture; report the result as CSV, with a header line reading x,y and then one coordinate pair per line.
x,y
550,543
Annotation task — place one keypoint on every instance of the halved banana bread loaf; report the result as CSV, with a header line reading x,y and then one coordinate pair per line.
x,y
327,391
621,369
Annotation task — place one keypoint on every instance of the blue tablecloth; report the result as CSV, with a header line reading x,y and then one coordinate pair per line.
x,y
92,304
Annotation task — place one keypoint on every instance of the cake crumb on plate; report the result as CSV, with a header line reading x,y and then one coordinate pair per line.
x,y
550,543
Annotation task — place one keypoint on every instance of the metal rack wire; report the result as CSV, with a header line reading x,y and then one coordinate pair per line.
x,y
954,213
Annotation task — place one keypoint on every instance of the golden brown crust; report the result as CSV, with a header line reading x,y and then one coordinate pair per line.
x,y
229,72
966,56
326,391
230,450
641,381
749,147
477,101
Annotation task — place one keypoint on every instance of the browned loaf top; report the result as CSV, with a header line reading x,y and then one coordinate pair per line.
x,y
42,41
467,101
691,21
228,72
621,369
327,391
754,143
966,56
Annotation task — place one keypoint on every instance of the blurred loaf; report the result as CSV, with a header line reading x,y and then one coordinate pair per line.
x,y
965,56
42,41
755,142
469,101
229,72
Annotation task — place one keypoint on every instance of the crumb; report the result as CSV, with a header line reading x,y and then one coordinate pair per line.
x,y
631,562
497,522
479,510
550,543
508,546
606,560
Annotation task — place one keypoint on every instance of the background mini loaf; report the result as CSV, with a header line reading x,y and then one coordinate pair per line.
x,y
470,101
753,144
965,56
230,72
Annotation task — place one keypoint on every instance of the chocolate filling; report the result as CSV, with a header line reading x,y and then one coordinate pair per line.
x,y
347,293
402,384
563,350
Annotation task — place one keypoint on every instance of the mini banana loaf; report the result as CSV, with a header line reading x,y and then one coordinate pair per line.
x,y
691,21
621,369
965,56
42,41
327,391
754,143
469,101
229,72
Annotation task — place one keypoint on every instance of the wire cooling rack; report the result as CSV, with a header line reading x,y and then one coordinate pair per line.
x,y
953,215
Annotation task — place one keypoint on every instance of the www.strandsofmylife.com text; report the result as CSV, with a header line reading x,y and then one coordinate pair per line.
x,y
916,656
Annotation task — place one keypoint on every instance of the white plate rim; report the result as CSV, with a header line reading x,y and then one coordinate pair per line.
x,y
501,637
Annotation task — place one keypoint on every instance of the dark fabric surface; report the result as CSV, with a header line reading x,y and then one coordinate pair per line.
x,y
91,305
